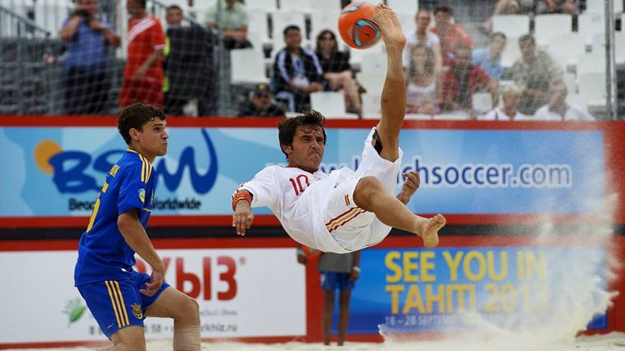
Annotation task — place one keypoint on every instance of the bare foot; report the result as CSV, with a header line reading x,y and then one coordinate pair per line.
x,y
389,24
429,230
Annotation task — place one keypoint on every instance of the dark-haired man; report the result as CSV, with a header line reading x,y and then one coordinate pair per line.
x,y
346,210
451,34
119,297
297,71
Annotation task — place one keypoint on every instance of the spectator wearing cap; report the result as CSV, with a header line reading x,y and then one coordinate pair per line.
x,y
261,103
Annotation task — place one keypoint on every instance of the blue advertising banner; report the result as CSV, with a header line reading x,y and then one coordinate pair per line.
x,y
447,289
58,171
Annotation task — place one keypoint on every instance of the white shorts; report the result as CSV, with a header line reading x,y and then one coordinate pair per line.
x,y
352,227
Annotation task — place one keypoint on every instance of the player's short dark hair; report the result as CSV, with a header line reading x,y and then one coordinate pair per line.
x,y
527,38
288,128
135,116
174,7
501,35
444,9
291,27
143,3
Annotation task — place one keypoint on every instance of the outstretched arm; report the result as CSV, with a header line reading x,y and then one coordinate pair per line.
x,y
411,184
243,216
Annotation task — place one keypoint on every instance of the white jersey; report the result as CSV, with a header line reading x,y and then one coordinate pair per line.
x,y
317,209
282,188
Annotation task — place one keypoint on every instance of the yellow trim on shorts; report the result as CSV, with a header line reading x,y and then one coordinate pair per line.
x,y
117,300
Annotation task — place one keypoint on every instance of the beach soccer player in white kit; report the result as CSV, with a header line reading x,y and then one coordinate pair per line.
x,y
345,210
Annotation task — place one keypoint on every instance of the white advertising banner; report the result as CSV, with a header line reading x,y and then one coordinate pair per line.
x,y
241,292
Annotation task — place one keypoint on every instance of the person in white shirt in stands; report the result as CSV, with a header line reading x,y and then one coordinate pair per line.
x,y
424,37
511,96
346,210
558,109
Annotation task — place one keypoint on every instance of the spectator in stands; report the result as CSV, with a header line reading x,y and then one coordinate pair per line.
x,y
337,70
509,7
173,106
533,72
557,6
509,112
143,75
297,72
557,109
451,35
423,95
463,80
230,18
85,69
425,37
337,271
489,58
174,16
261,103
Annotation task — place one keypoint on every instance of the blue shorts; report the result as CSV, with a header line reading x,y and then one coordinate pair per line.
x,y
334,280
116,304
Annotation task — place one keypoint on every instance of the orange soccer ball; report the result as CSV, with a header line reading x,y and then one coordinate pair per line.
x,y
356,27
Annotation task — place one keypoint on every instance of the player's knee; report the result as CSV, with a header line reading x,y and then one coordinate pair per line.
x,y
192,308
366,190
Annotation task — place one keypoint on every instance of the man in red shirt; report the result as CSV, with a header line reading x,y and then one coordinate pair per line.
x,y
462,80
450,34
143,75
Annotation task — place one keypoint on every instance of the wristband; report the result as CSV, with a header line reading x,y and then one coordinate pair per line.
x,y
356,268
241,195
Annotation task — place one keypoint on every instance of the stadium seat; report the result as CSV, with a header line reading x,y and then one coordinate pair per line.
x,y
511,52
370,106
407,21
599,6
331,104
590,24
323,19
512,25
551,25
619,48
408,7
592,86
331,5
247,67
265,5
258,28
295,5
482,102
590,62
372,71
282,20
565,48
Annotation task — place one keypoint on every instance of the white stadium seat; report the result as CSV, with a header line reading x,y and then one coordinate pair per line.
x,y
247,66
331,104
551,25
512,25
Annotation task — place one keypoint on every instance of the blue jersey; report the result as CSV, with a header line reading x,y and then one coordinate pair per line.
x,y
103,254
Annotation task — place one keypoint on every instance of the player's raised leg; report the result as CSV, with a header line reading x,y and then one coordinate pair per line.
x,y
371,195
393,101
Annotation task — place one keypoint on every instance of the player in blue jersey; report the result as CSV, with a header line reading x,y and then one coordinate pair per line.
x,y
119,297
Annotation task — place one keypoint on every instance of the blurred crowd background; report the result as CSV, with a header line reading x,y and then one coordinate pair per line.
x,y
477,59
